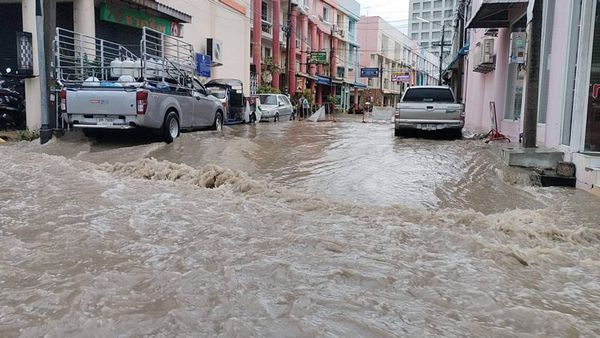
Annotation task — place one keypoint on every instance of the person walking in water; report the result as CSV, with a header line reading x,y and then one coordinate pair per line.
x,y
304,106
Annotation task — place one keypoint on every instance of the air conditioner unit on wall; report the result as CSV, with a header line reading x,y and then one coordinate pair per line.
x,y
214,48
484,58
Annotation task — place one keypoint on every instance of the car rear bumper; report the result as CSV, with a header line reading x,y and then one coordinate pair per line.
x,y
429,124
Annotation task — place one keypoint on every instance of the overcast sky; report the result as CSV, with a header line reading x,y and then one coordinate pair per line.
x,y
393,11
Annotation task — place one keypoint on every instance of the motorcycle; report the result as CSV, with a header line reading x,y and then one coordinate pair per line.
x,y
12,101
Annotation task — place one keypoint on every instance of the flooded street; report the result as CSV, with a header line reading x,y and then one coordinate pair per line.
x,y
290,229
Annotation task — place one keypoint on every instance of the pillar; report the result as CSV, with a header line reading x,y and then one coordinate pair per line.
x,y
256,37
84,20
276,32
304,47
32,85
292,52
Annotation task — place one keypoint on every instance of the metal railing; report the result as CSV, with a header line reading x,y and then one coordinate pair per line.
x,y
162,61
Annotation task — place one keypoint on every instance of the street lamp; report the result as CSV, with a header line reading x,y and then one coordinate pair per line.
x,y
441,45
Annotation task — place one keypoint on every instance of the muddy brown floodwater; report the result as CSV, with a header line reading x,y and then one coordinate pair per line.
x,y
290,230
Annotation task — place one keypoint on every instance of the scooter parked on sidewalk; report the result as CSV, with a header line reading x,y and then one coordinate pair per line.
x,y
12,101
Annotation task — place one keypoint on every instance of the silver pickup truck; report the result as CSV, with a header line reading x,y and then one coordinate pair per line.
x,y
429,108
140,105
113,88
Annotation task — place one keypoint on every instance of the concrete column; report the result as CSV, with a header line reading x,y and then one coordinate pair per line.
x,y
256,37
84,21
333,57
314,45
320,47
292,47
32,85
276,31
304,47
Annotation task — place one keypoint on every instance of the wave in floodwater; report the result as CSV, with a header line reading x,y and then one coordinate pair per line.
x,y
156,248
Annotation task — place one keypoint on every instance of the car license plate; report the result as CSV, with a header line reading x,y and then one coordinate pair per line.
x,y
104,121
429,126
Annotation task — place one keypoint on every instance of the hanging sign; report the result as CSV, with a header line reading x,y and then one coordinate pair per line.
x,y
400,76
369,72
318,58
203,63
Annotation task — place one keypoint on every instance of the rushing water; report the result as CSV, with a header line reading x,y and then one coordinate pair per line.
x,y
290,230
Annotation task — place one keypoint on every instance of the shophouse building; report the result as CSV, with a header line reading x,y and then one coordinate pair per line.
x,y
219,27
306,45
568,80
400,62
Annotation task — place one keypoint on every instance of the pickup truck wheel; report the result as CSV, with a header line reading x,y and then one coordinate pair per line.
x,y
171,127
397,132
276,118
218,124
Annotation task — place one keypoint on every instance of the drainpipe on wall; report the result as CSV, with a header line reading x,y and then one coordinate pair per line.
x,y
533,71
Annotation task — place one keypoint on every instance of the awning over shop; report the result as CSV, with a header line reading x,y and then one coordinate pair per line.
x,y
496,13
324,80
461,52
308,76
164,10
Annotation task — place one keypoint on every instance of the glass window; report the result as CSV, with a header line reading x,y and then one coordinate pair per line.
x,y
413,36
449,3
426,15
448,13
425,36
416,6
437,4
436,35
325,13
592,126
437,14
415,26
425,26
268,99
428,95
426,4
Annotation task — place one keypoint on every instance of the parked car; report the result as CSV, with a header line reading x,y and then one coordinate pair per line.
x,y
274,106
429,108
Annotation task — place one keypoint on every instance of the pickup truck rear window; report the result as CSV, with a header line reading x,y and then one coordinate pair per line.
x,y
428,95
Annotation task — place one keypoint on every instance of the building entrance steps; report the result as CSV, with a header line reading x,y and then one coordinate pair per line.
x,y
541,158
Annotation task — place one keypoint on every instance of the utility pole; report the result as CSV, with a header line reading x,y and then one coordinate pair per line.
x,y
45,131
461,42
287,31
441,54
49,33
331,70
381,80
533,71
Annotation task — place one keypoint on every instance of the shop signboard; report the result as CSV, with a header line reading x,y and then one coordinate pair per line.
x,y
203,63
369,72
117,13
401,76
319,58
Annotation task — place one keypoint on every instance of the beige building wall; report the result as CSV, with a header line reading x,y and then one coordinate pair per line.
x,y
225,20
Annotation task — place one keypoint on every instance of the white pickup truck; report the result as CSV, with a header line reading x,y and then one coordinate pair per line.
x,y
103,88
429,108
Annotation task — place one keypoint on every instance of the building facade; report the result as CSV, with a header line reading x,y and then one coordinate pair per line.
x,y
568,80
121,21
306,47
428,19
401,62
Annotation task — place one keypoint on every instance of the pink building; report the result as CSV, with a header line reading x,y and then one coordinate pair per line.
x,y
400,61
322,53
568,106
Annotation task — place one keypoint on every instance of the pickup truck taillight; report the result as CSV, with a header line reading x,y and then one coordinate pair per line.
x,y
462,116
141,99
397,113
63,99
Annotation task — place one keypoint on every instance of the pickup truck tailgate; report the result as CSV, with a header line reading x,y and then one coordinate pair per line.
x,y
101,101
430,111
